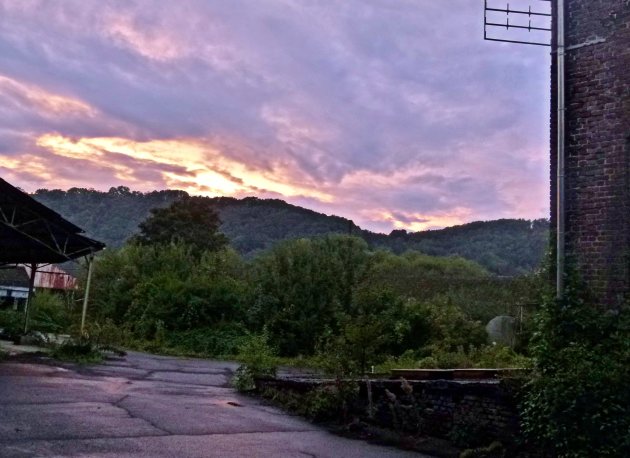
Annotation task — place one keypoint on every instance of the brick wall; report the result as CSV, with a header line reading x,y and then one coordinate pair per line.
x,y
597,144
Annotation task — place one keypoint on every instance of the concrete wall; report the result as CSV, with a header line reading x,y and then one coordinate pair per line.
x,y
597,145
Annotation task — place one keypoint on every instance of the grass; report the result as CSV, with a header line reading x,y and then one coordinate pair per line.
x,y
77,351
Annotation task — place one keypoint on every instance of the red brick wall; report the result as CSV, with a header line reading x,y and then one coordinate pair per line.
x,y
597,144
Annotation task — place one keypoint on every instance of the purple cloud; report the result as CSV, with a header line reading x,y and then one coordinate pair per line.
x,y
390,112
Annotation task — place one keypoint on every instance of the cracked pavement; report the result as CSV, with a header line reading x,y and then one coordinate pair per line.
x,y
152,406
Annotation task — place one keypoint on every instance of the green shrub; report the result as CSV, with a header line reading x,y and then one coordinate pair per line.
x,y
322,403
258,359
408,360
81,351
578,403
12,323
222,340
499,356
49,313
329,402
485,356
108,336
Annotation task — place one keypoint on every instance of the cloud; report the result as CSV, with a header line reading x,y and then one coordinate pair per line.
x,y
392,112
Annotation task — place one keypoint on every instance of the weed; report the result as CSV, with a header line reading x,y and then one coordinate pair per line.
x,y
80,351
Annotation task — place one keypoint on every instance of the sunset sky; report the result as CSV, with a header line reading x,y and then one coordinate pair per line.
x,y
394,113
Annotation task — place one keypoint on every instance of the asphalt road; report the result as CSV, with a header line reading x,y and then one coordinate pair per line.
x,y
152,406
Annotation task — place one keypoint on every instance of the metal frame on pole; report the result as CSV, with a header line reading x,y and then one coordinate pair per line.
x,y
488,26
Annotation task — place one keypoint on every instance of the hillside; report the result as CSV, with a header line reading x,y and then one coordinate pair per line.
x,y
505,247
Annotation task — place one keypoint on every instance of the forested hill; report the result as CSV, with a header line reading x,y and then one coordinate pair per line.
x,y
505,247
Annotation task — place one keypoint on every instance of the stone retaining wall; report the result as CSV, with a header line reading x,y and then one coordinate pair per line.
x,y
439,408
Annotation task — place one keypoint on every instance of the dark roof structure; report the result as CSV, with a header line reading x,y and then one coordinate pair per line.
x,y
32,233
14,276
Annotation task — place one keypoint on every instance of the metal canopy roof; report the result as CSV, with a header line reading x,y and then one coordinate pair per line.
x,y
34,234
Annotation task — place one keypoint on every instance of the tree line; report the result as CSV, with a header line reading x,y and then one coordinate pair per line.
x,y
179,285
506,247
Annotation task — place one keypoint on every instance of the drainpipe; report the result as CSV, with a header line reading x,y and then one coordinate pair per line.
x,y
560,204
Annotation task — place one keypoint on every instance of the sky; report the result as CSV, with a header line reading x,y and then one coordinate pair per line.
x,y
393,113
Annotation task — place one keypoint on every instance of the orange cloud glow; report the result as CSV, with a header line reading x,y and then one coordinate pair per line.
x,y
419,221
205,165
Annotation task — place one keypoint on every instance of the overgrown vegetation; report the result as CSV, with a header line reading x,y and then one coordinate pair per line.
x,y
325,299
578,403
503,247
331,301
82,351
258,359
12,324
337,303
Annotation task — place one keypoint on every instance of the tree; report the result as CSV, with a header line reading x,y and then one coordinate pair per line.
x,y
191,221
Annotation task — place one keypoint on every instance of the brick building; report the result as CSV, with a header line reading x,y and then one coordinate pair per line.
x,y
597,163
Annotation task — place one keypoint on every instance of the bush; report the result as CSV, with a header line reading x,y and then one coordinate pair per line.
x,y
578,403
109,336
499,356
220,341
49,313
81,351
258,359
322,403
11,324
486,356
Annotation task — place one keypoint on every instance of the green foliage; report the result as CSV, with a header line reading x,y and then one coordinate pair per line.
x,y
373,327
81,351
451,328
329,402
499,356
223,340
485,356
190,221
322,403
108,334
144,286
303,285
328,300
12,323
504,247
259,360
50,313
578,404
111,217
